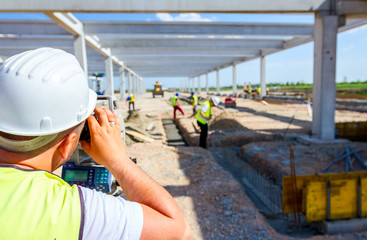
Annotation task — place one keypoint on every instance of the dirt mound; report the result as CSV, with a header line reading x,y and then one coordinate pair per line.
x,y
224,121
138,119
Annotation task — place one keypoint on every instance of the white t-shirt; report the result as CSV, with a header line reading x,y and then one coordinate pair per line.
x,y
109,217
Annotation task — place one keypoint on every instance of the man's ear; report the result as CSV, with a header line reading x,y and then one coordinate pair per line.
x,y
67,145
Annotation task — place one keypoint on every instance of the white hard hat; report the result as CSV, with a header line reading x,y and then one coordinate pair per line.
x,y
216,101
43,92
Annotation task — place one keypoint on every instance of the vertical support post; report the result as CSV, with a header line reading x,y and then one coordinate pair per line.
x,y
262,77
122,84
193,84
80,52
234,83
199,88
324,86
133,78
129,83
109,76
218,85
207,83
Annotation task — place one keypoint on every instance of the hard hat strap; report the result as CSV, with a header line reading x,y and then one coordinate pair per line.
x,y
26,145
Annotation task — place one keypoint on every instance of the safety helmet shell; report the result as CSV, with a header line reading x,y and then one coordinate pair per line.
x,y
192,93
216,101
128,98
177,94
43,91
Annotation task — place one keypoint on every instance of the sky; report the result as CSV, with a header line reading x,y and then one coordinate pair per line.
x,y
291,65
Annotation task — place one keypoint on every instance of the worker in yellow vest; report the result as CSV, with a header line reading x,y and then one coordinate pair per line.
x,y
203,116
176,106
36,138
194,100
131,100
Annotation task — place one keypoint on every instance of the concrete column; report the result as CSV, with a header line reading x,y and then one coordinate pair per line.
x,y
80,52
193,85
122,84
324,86
129,83
133,84
207,83
262,77
218,85
234,82
199,87
109,76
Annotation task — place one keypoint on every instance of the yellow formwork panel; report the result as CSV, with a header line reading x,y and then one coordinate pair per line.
x,y
343,199
364,197
289,196
315,207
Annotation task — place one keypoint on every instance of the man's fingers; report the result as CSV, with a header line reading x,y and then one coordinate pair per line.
x,y
117,119
102,116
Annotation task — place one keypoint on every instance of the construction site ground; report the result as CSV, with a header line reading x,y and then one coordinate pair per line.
x,y
206,184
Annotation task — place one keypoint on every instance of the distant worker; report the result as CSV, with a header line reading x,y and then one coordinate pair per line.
x,y
131,100
156,83
249,90
258,90
194,100
203,116
245,88
176,106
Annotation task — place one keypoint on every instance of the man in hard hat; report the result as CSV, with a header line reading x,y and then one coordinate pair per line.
x,y
44,103
203,116
176,106
131,100
194,100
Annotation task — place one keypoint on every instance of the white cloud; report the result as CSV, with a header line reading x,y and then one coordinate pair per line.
x,y
183,17
357,29
347,48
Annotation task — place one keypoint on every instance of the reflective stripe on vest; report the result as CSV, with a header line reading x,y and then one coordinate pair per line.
x,y
206,114
194,100
37,205
132,98
174,101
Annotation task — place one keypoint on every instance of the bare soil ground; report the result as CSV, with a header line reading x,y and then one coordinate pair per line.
x,y
213,201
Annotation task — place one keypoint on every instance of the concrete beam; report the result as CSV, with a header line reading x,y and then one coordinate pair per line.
x,y
185,53
197,28
31,28
128,6
31,43
189,43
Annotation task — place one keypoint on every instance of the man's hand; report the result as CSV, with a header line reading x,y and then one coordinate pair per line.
x,y
106,146
162,217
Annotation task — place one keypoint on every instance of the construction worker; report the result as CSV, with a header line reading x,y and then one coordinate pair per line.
x,y
44,103
131,100
194,100
176,106
203,116
249,90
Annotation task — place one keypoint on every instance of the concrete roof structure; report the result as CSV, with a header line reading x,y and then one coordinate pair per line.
x,y
184,49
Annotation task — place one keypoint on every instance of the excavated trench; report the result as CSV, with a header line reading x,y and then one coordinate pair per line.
x,y
264,194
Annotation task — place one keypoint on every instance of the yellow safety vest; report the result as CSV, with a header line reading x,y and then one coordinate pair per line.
x,y
194,100
131,98
174,101
206,114
37,205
